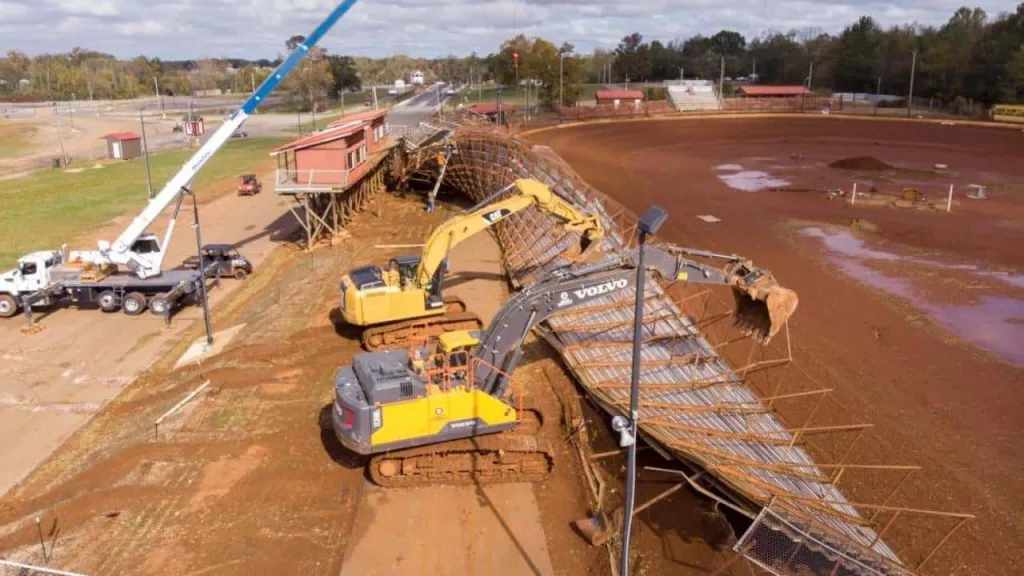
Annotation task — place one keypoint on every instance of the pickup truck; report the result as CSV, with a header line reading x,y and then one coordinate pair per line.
x,y
221,260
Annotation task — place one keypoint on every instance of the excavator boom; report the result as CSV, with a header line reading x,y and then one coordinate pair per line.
x,y
763,306
527,193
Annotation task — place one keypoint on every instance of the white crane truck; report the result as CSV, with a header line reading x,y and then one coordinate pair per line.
x,y
96,277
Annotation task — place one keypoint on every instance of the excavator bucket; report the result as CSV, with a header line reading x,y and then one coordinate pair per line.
x,y
588,250
763,307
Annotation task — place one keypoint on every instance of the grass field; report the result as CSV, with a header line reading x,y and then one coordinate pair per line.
x,y
14,138
53,207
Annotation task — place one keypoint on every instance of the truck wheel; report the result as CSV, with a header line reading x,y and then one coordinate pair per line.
x,y
134,304
108,301
159,306
8,306
240,274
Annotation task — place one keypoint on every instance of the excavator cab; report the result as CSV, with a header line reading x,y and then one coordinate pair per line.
x,y
456,346
405,266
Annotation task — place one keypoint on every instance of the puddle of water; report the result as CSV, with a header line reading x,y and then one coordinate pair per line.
x,y
847,244
995,323
752,180
731,167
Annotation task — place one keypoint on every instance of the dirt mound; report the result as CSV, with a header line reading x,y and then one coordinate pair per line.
x,y
861,163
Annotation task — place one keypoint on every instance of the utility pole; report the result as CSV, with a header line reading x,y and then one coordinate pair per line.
x,y
910,98
682,76
561,78
810,75
721,78
145,154
71,112
878,90
159,98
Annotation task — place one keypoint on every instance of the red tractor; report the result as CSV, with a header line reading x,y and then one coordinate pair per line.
x,y
248,185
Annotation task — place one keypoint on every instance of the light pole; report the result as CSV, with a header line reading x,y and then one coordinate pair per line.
x,y
910,98
649,224
145,153
561,77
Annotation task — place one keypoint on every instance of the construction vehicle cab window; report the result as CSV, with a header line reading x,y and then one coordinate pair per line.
x,y
408,296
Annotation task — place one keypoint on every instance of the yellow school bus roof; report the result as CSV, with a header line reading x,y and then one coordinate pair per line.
x,y
458,339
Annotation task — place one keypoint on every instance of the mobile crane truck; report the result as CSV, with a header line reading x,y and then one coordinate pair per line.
x,y
445,415
94,277
393,305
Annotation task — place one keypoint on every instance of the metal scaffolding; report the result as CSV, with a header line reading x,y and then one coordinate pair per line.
x,y
742,412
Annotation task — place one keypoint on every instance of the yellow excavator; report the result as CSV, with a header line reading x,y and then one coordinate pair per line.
x,y
406,299
446,413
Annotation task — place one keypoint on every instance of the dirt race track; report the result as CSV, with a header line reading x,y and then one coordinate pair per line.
x,y
937,399
247,479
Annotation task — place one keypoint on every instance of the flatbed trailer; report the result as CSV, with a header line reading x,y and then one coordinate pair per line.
x,y
110,292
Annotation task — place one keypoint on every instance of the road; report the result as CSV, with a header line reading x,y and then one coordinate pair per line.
x,y
419,108
52,382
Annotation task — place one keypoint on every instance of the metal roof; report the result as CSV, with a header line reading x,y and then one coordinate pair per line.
x,y
774,90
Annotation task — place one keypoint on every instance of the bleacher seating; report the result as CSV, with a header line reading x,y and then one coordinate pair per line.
x,y
694,95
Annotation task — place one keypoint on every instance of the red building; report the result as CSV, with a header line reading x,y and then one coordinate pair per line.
x,y
773,91
334,158
616,97
123,145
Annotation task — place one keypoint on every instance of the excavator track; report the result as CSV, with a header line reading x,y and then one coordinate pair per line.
x,y
513,456
399,334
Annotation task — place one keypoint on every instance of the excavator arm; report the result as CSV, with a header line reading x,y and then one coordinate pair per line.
x,y
763,306
527,193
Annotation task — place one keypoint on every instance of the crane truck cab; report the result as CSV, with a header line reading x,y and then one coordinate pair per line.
x,y
33,273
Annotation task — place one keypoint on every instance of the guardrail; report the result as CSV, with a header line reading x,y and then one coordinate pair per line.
x,y
313,179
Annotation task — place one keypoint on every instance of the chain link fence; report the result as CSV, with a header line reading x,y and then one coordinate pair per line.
x,y
781,548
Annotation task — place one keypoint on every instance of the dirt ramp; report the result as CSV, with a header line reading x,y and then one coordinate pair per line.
x,y
866,163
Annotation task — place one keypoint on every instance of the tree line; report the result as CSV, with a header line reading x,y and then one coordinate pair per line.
x,y
973,56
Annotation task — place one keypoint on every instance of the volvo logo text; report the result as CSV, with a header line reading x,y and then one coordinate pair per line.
x,y
610,286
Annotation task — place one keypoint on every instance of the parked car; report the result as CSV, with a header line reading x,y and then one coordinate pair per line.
x,y
221,260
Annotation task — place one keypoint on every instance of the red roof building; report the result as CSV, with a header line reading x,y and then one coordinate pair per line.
x,y
773,91
616,97
123,145
334,158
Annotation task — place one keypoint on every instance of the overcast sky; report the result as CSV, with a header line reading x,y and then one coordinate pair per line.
x,y
183,29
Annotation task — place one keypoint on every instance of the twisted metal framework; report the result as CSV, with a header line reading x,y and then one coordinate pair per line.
x,y
741,412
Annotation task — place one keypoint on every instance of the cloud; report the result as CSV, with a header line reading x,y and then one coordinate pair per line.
x,y
179,29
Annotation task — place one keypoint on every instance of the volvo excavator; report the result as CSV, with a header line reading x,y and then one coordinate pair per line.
x,y
446,415
395,304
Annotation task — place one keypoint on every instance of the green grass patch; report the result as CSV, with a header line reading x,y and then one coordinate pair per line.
x,y
15,138
51,207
